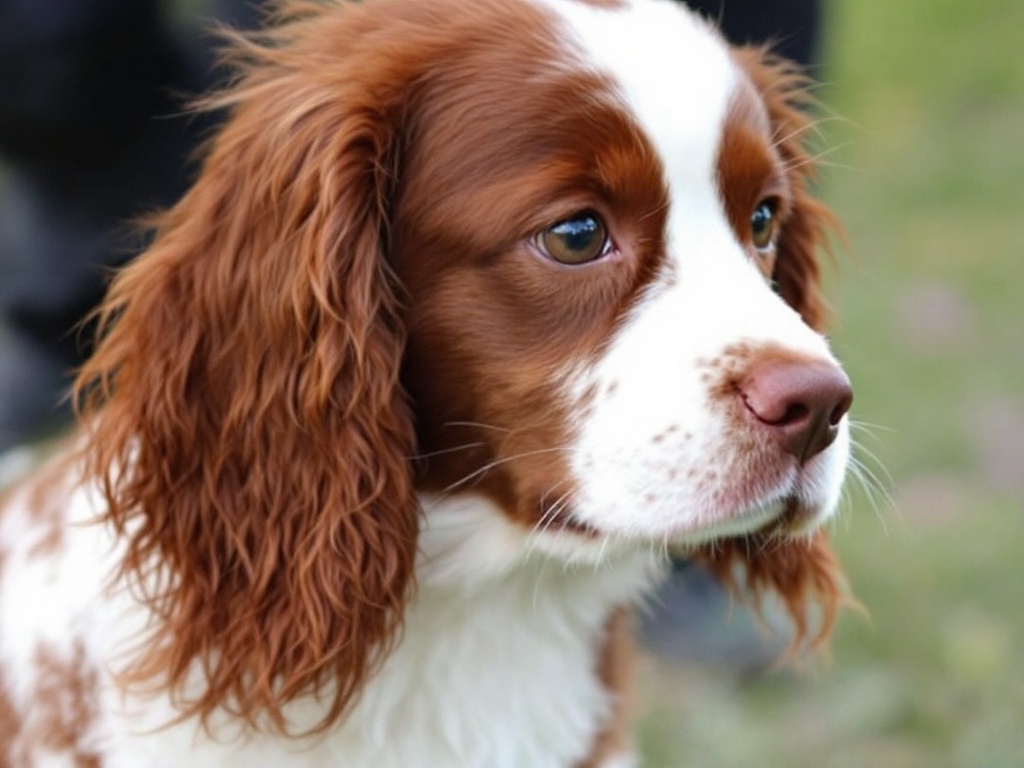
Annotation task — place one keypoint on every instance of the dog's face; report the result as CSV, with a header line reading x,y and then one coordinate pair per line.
x,y
591,238
557,253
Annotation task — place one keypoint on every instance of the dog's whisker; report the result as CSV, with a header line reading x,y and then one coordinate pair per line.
x,y
478,425
873,488
548,517
779,139
480,471
817,159
869,428
445,451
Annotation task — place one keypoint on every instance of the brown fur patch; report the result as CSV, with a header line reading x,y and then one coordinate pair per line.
x,y
617,672
806,222
46,500
10,722
750,171
803,572
64,706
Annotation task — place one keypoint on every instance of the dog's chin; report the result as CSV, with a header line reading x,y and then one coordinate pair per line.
x,y
791,512
802,501
789,517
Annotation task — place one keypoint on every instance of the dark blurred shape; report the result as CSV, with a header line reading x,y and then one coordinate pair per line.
x,y
91,136
791,26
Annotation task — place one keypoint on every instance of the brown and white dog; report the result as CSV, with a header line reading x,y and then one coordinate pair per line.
x,y
475,310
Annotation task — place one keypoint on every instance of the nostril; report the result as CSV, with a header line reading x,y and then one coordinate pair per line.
x,y
842,407
800,403
795,413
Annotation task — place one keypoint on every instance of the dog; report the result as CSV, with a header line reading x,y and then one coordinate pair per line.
x,y
474,313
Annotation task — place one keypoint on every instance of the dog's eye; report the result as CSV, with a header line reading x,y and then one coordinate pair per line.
x,y
762,226
576,240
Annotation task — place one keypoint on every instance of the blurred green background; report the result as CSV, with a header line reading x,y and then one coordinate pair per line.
x,y
925,167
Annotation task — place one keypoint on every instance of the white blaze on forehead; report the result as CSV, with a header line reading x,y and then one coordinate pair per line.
x,y
675,76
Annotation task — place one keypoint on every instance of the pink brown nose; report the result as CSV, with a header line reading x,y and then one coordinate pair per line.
x,y
800,403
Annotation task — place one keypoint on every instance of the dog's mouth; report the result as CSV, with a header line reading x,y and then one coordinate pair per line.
x,y
780,499
792,502
791,516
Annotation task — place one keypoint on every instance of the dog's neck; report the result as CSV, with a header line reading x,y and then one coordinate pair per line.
x,y
498,661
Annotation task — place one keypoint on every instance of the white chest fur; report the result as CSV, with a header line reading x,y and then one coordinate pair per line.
x,y
496,667
498,663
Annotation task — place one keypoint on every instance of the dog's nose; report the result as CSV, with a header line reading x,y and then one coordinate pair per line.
x,y
800,403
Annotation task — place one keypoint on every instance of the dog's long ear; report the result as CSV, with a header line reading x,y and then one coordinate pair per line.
x,y
245,415
803,572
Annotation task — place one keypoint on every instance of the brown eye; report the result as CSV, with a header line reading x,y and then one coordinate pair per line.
x,y
576,240
762,226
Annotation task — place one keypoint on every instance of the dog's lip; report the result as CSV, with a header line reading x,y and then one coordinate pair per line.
x,y
792,509
788,515
789,509
746,522
788,512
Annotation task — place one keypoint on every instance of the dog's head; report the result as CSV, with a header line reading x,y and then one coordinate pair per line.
x,y
560,254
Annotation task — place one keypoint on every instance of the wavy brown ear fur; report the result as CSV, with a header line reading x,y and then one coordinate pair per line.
x,y
243,406
802,572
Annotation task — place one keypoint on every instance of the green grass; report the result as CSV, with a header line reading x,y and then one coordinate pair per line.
x,y
928,177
